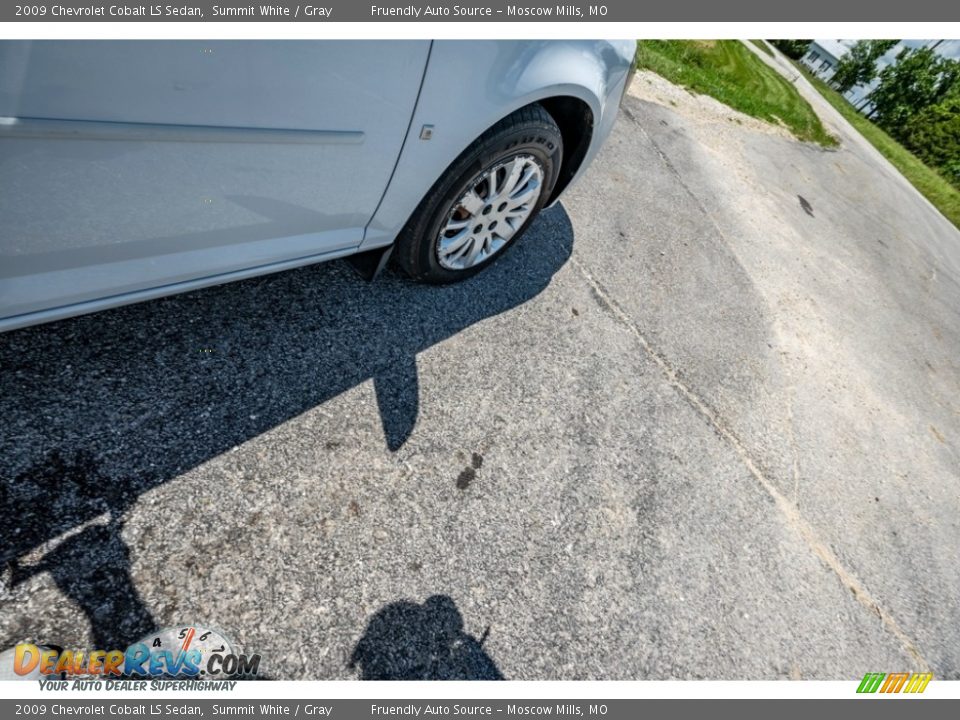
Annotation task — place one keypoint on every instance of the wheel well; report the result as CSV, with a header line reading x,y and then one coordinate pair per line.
x,y
575,120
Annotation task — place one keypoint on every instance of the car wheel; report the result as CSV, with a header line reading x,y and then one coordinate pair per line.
x,y
485,200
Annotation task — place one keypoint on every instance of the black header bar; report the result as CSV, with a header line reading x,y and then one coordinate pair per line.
x,y
638,11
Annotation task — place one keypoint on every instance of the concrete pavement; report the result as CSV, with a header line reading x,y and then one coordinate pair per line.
x,y
687,428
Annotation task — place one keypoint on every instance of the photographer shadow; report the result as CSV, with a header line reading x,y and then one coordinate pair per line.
x,y
407,641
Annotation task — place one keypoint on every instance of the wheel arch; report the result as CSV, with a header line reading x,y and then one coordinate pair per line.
x,y
576,122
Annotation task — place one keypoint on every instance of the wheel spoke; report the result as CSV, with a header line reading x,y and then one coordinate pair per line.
x,y
528,173
513,176
531,191
471,257
458,224
492,185
471,202
449,246
511,224
455,258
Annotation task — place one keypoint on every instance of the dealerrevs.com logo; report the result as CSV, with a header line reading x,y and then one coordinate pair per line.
x,y
187,652
895,682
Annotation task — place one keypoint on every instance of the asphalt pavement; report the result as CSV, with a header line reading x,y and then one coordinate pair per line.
x,y
692,426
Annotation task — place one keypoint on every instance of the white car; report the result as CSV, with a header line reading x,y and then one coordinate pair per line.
x,y
136,169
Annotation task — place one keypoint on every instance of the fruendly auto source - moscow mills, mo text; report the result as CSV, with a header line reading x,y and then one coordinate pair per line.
x,y
429,11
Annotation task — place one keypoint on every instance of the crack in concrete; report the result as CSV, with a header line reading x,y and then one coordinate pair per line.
x,y
795,465
790,513
788,509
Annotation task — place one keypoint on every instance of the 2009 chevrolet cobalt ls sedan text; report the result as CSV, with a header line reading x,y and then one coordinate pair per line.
x,y
132,170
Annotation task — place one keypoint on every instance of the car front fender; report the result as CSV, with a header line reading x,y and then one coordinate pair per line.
x,y
471,85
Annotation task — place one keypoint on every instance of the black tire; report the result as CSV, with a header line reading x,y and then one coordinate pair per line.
x,y
529,131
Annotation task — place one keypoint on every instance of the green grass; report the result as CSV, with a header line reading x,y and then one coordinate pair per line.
x,y
762,44
728,71
928,181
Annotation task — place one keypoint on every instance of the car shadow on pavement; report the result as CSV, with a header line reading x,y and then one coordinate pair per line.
x,y
97,410
407,641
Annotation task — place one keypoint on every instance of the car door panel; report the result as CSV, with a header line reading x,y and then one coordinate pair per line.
x,y
131,165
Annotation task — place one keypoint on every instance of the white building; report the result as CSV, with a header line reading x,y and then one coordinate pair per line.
x,y
823,55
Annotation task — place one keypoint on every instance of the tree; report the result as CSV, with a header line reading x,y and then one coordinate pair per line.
x,y
795,49
918,79
859,66
933,135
